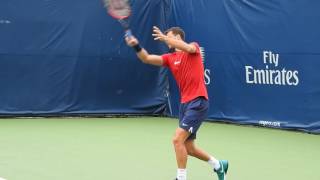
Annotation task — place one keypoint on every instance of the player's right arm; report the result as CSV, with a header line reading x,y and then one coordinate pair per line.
x,y
142,54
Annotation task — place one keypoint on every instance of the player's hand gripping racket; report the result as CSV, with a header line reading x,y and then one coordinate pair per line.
x,y
120,10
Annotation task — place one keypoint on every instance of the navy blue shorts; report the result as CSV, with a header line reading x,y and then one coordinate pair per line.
x,y
192,114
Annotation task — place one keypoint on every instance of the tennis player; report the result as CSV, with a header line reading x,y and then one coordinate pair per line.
x,y
185,63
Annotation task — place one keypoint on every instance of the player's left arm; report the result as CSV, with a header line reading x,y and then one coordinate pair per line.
x,y
175,43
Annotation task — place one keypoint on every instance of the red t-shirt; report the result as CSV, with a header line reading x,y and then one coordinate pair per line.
x,y
188,70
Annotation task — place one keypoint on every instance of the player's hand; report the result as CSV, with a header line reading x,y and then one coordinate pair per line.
x,y
158,35
131,41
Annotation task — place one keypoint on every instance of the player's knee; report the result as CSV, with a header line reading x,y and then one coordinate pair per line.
x,y
177,141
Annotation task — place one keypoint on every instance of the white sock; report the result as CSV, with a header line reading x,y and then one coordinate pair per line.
x,y
214,163
182,174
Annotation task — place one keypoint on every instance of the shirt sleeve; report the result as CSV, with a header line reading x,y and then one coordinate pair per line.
x,y
165,59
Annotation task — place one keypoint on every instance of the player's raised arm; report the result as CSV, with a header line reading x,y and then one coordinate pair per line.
x,y
173,40
142,54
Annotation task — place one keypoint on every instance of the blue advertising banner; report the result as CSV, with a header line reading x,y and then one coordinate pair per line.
x,y
261,58
61,57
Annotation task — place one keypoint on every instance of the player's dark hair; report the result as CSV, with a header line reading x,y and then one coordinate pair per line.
x,y
176,31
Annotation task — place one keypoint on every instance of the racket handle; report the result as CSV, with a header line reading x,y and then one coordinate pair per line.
x,y
128,33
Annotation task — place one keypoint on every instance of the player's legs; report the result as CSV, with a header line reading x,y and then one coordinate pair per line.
x,y
195,151
189,122
220,167
191,116
179,146
181,152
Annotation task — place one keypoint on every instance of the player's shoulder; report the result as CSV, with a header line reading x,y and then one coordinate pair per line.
x,y
197,46
167,55
195,43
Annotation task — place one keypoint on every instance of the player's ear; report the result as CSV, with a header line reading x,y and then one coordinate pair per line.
x,y
178,37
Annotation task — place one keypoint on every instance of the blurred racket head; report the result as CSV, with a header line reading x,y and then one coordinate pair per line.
x,y
118,9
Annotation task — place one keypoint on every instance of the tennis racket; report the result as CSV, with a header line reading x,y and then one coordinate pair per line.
x,y
120,10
